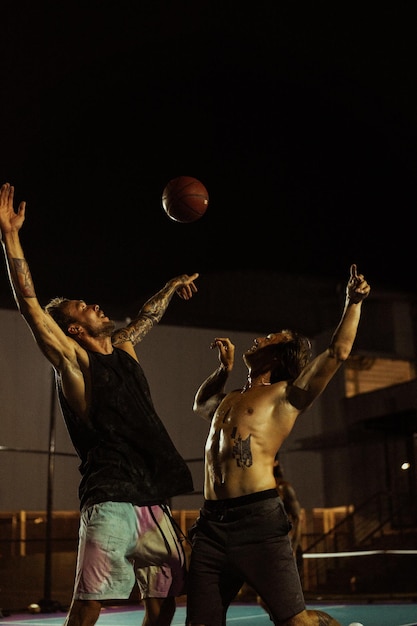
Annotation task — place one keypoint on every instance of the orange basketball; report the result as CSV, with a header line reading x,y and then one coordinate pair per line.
x,y
185,199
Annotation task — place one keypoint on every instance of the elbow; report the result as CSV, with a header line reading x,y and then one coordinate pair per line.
x,y
198,404
199,409
203,410
341,352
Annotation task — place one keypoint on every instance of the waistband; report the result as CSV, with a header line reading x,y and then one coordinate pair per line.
x,y
232,503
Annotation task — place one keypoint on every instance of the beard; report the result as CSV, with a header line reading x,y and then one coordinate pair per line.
x,y
105,330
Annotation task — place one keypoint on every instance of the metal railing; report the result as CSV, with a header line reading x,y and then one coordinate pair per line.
x,y
372,538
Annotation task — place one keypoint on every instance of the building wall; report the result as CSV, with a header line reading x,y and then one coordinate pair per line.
x,y
176,360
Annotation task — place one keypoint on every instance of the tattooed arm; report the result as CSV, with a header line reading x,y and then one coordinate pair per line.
x,y
153,310
10,224
55,345
211,391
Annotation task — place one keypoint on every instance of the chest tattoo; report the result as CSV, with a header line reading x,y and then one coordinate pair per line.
x,y
241,450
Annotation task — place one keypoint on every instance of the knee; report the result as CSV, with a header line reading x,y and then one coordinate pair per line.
x,y
322,619
159,611
83,612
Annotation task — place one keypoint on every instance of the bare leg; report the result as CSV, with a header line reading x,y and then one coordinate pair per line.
x,y
312,618
83,613
322,619
158,611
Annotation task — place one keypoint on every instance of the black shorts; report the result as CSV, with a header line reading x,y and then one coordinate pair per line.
x,y
242,540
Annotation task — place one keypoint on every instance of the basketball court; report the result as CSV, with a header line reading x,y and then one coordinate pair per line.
x,y
375,614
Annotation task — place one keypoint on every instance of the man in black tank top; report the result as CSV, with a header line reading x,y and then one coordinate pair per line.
x,y
129,466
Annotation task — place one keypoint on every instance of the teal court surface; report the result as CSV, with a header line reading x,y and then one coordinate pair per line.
x,y
375,614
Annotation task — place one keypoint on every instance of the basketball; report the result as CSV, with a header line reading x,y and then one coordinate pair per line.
x,y
185,199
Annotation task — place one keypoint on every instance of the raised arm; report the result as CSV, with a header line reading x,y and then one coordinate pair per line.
x,y
50,338
153,310
318,373
211,391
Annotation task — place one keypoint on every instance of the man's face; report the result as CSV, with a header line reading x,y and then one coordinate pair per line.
x,y
269,340
91,318
262,354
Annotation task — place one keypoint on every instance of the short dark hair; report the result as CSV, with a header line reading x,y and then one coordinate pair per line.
x,y
291,357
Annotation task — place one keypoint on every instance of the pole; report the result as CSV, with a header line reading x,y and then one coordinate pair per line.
x,y
46,604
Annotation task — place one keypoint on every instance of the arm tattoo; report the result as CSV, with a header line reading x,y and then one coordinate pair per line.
x,y
156,306
134,332
214,384
24,281
149,315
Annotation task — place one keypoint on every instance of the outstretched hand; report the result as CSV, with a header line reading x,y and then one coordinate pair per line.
x,y
186,288
226,351
357,288
9,219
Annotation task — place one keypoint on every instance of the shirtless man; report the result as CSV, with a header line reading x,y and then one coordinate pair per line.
x,y
241,534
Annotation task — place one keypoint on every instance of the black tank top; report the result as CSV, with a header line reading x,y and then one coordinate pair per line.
x,y
126,453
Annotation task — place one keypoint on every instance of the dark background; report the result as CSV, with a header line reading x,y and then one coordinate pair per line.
x,y
300,119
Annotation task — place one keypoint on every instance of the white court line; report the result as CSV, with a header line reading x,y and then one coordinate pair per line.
x,y
332,555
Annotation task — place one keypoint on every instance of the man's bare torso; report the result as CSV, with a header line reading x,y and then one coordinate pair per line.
x,y
246,432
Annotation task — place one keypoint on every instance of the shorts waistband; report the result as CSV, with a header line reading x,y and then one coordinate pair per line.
x,y
232,503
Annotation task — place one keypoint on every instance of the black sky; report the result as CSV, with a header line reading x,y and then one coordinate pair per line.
x,y
300,119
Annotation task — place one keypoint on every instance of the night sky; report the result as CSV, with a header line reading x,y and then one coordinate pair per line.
x,y
300,119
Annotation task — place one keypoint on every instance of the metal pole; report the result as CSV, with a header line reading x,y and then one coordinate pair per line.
x,y
46,604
